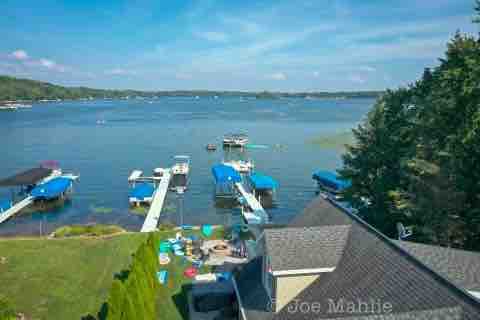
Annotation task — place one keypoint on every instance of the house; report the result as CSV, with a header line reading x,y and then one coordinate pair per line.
x,y
330,264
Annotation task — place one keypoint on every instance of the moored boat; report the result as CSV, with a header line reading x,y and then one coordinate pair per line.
x,y
180,171
211,147
242,166
235,140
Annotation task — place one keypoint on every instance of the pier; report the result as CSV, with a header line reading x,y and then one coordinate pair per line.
x,y
7,214
257,213
151,221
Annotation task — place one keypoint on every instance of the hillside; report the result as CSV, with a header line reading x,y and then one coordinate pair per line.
x,y
25,89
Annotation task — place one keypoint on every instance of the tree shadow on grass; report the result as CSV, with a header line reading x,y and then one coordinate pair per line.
x,y
122,275
101,315
181,300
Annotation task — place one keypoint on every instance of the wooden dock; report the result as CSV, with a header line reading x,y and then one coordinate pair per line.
x,y
257,210
151,221
4,216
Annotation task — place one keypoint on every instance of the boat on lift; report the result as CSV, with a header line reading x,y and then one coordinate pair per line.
x,y
180,171
242,166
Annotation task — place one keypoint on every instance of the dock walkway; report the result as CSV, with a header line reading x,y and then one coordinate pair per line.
x,y
151,221
258,211
4,216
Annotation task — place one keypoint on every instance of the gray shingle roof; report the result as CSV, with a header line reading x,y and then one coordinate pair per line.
x,y
372,267
459,266
305,248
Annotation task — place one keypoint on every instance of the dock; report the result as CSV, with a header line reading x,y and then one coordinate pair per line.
x,y
151,221
257,210
4,216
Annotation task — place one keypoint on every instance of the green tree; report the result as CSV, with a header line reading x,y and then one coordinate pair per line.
x,y
374,163
116,301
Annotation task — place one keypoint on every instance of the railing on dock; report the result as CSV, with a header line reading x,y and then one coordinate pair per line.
x,y
151,221
5,215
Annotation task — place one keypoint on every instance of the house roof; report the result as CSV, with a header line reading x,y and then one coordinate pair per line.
x,y
308,248
372,268
28,177
459,266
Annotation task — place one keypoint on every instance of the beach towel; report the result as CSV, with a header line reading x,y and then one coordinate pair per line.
x,y
207,230
162,276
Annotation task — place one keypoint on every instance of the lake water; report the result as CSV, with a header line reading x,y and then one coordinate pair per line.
x,y
142,134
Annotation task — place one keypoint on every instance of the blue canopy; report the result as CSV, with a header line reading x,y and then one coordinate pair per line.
x,y
260,181
5,205
142,191
225,174
51,189
331,180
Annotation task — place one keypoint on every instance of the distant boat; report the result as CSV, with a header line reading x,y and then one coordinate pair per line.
x,y
211,147
235,140
8,108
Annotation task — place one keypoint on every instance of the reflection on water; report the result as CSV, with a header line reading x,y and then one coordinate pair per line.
x,y
142,135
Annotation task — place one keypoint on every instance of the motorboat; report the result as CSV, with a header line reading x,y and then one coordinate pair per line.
x,y
180,171
235,140
242,166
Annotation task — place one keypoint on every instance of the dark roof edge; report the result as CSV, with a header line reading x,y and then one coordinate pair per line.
x,y
462,292
441,247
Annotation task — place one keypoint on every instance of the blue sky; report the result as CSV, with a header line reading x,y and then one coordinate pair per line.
x,y
228,45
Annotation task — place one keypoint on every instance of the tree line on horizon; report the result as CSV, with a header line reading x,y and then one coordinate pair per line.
x,y
416,158
12,89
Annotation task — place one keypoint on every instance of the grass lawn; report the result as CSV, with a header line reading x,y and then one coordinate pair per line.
x,y
172,300
63,278
334,142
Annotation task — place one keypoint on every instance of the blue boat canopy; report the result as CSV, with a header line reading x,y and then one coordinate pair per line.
x,y
142,191
52,189
262,182
225,174
5,205
331,180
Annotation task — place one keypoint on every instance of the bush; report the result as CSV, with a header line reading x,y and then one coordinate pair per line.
x,y
90,230
135,297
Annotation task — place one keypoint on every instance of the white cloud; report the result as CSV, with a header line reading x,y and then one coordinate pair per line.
x,y
183,76
367,69
244,26
49,64
356,78
213,36
280,76
20,54
120,72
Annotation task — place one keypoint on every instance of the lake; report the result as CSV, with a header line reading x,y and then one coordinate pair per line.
x,y
104,141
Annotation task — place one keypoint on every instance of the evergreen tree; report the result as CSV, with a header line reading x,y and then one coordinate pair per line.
x,y
116,301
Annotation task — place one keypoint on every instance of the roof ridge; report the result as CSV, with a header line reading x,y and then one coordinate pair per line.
x,y
438,246
460,291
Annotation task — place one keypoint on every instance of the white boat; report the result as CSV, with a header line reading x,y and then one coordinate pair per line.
x,y
180,171
22,106
237,140
8,107
159,172
241,166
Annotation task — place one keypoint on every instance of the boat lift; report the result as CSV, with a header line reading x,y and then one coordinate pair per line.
x,y
40,183
152,190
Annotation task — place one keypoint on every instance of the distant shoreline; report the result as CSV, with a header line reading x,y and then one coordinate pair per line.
x,y
13,90
309,97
